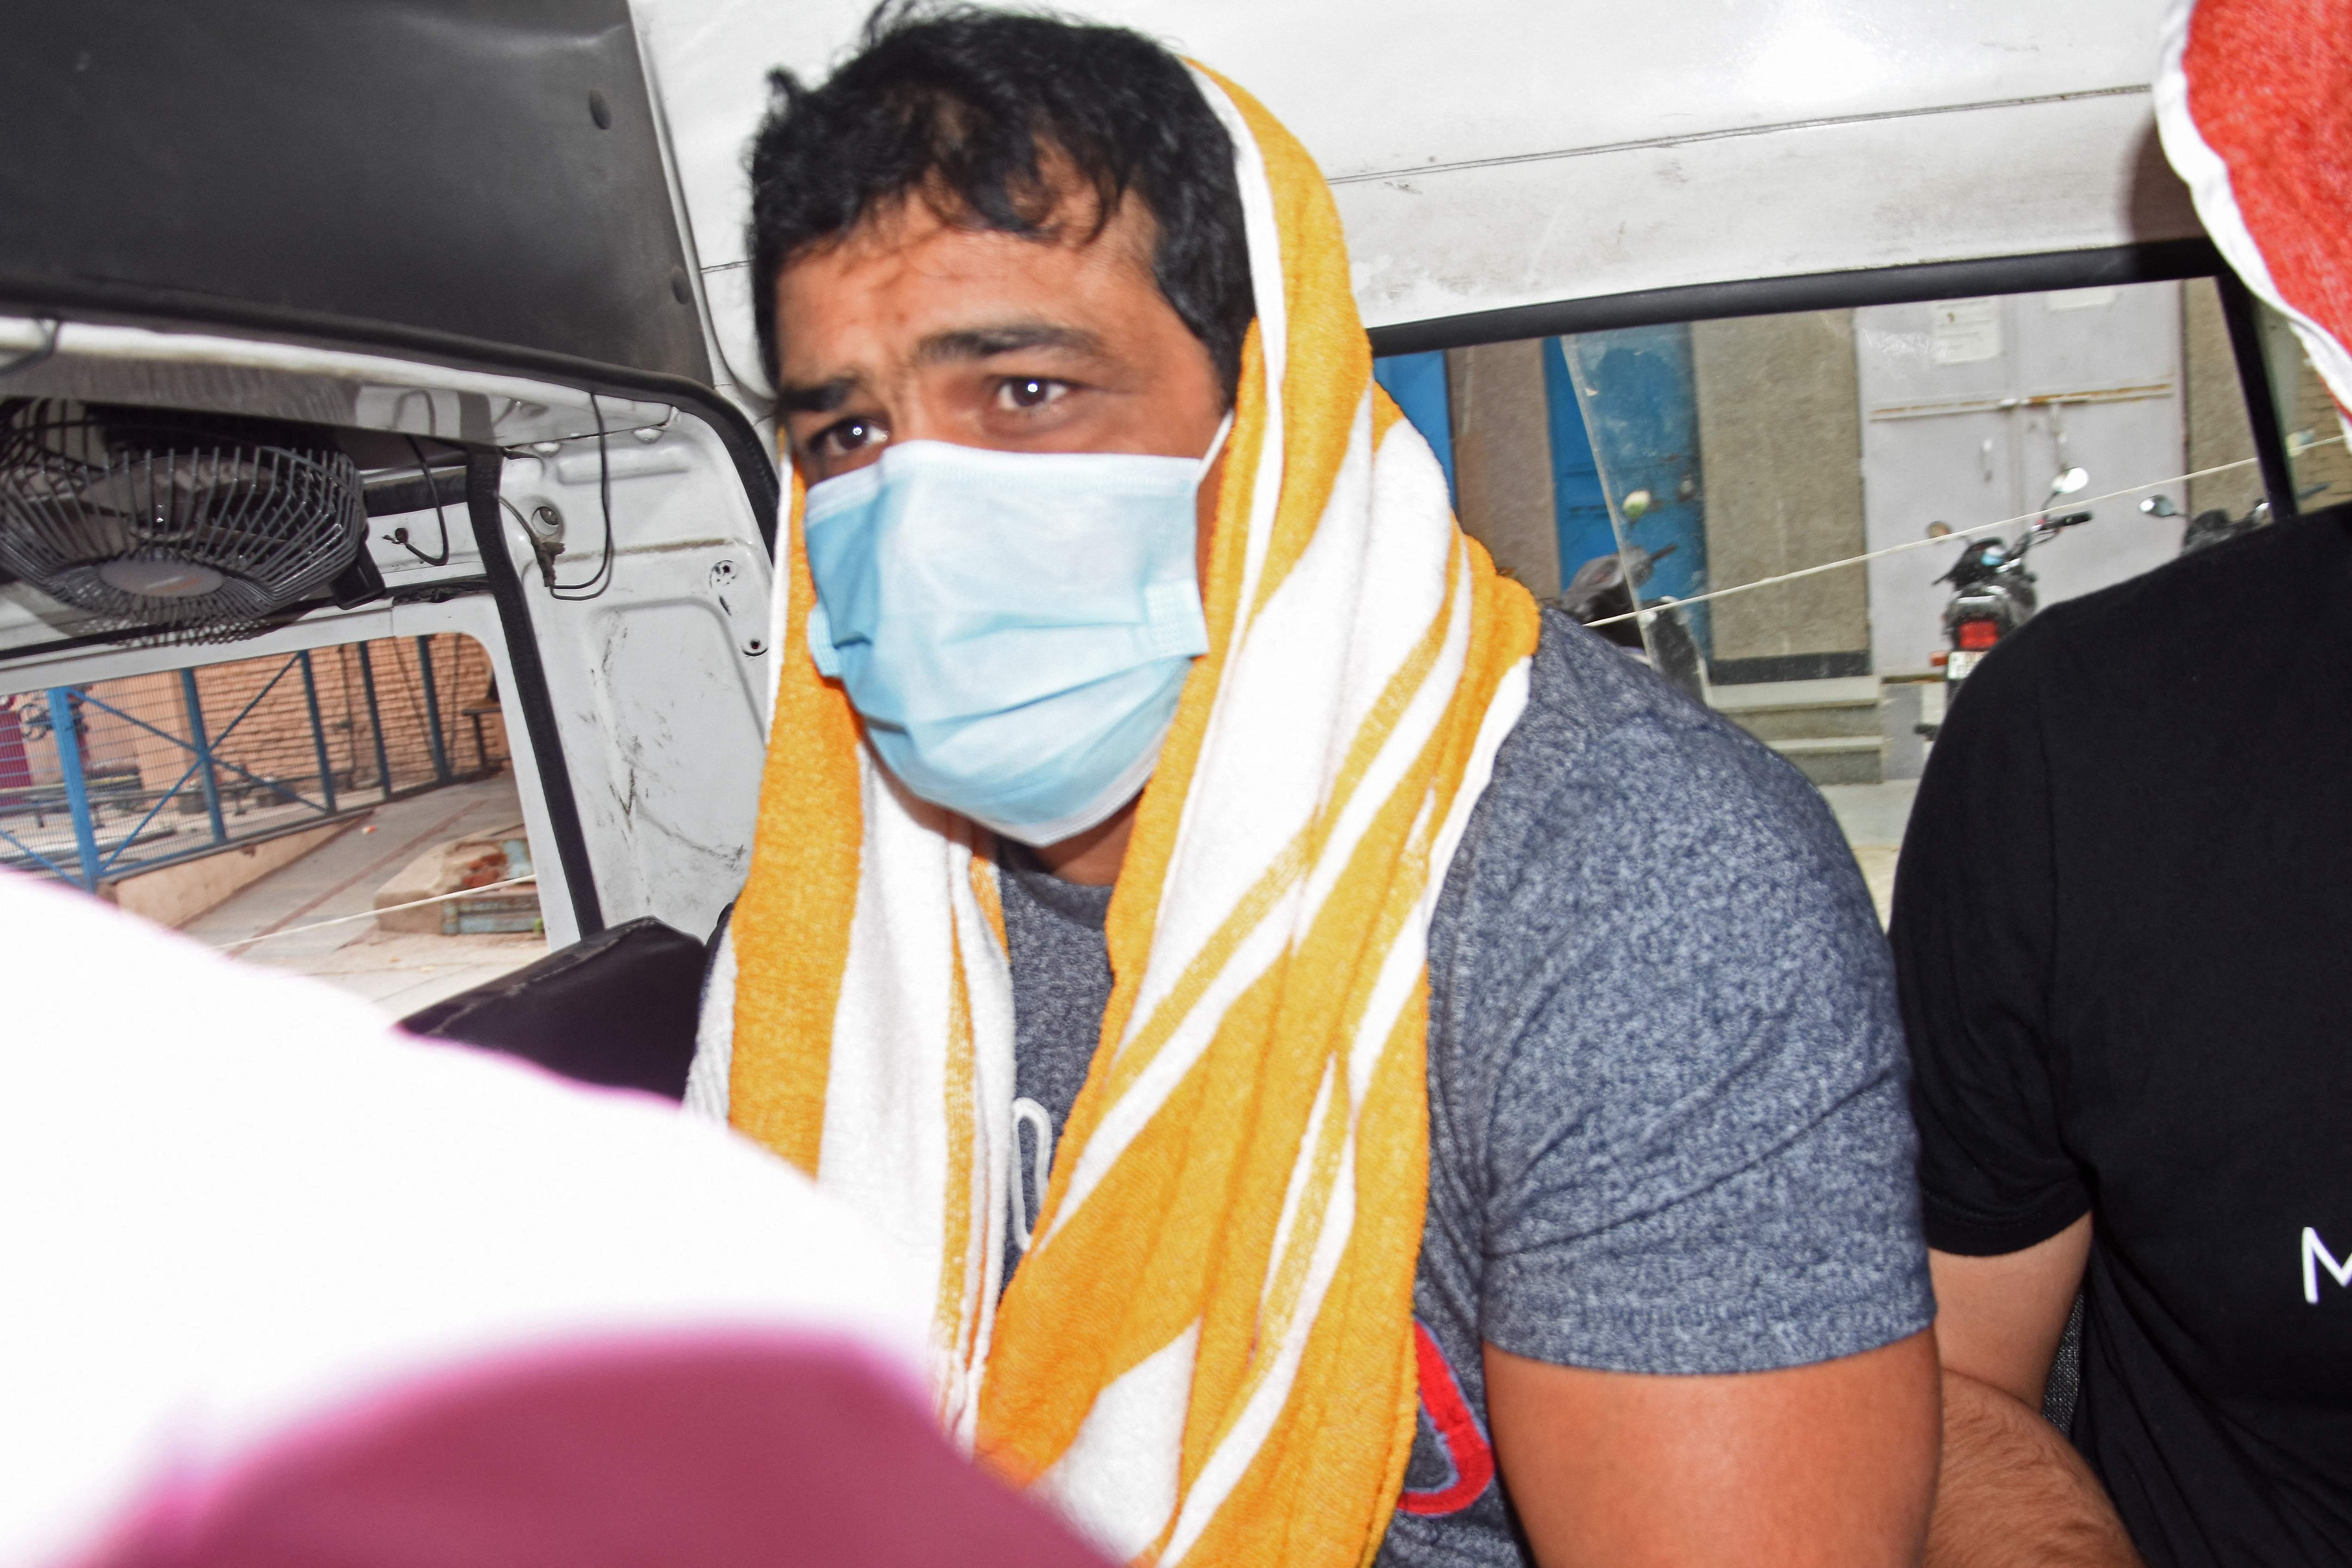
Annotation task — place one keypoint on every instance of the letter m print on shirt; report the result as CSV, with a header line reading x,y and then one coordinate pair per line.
x,y
2316,1256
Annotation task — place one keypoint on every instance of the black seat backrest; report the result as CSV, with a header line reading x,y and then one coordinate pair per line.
x,y
618,1009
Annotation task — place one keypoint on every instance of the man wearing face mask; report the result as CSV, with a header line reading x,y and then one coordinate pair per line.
x,y
1376,1072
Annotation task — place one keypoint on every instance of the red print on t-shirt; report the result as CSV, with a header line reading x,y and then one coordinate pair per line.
x,y
1468,1456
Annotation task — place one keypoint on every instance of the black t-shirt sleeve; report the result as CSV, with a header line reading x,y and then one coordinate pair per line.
x,y
1974,935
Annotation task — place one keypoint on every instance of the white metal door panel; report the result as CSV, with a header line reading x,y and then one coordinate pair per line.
x,y
2093,382
2123,348
1957,468
659,682
682,783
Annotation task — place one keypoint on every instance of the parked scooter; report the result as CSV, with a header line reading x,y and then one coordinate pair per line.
x,y
1994,593
1605,587
2214,525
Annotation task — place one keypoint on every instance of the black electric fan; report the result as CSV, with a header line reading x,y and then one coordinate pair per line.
x,y
198,526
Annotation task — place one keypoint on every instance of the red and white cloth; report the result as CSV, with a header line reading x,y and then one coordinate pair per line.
x,y
279,1286
2253,100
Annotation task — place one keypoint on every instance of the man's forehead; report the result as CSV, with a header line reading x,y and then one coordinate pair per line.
x,y
910,288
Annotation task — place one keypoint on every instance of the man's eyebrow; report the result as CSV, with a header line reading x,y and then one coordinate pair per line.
x,y
982,343
823,397
963,344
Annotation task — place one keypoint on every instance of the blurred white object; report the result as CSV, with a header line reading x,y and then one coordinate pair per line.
x,y
236,1200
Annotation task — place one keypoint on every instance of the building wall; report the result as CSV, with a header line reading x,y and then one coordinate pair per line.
x,y
2214,406
1502,457
1780,444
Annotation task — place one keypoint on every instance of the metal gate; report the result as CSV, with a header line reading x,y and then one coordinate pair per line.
x,y
102,780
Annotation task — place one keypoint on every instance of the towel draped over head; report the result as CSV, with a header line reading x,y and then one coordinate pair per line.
x,y
2250,101
1207,1353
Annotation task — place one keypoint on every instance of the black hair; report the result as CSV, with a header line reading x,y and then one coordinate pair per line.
x,y
979,112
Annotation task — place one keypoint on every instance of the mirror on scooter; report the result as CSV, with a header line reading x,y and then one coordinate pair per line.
x,y
2070,481
1939,530
2159,506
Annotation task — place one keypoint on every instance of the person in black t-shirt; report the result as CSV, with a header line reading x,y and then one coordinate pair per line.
x,y
2121,922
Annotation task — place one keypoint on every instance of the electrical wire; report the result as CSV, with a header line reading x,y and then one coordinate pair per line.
x,y
433,487
243,942
602,578
1844,561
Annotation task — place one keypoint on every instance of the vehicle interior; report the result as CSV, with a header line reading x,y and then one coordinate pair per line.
x,y
1729,340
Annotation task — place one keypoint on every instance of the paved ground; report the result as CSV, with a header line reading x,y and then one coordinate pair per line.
x,y
399,974
402,974
1873,816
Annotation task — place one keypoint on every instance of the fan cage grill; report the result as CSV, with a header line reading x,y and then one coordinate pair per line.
x,y
274,508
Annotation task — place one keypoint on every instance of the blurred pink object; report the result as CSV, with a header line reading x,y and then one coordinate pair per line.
x,y
720,1456
283,1284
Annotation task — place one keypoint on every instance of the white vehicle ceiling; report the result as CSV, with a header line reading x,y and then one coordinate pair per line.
x,y
1509,153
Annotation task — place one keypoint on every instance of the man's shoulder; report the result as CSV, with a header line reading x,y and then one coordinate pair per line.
x,y
1664,1057
2193,651
2267,592
1645,852
1607,753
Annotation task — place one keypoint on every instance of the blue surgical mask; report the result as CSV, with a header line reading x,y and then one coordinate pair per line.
x,y
1014,627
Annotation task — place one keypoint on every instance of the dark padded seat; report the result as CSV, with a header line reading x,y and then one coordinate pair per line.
x,y
618,1009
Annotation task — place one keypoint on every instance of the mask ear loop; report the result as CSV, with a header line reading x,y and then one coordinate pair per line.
x,y
1225,429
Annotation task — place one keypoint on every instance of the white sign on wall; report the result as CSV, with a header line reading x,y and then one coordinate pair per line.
x,y
1965,331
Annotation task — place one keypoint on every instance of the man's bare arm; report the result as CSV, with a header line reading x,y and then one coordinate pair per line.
x,y
2013,1491
1829,1464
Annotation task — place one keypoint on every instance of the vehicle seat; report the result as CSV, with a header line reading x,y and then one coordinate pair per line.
x,y
619,1009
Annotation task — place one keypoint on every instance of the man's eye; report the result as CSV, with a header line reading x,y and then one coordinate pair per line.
x,y
849,435
1032,392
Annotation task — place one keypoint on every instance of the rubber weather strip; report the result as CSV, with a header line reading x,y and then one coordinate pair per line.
x,y
483,467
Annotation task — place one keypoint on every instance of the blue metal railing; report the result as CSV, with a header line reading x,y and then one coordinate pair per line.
x,y
302,791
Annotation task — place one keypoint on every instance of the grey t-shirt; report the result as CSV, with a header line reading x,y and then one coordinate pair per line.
x,y
1667,1126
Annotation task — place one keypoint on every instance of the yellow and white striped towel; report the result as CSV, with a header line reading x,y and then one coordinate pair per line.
x,y
1206,1356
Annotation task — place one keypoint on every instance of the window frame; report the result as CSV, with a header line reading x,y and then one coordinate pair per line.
x,y
2153,262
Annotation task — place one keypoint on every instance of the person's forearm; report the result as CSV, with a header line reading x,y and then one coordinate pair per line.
x,y
2013,1491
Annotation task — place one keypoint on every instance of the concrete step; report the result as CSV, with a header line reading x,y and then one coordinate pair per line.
x,y
1830,728
1842,721
1829,745
1782,696
1837,759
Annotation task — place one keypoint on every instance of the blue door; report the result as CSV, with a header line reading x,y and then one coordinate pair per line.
x,y
1417,382
1635,430
1579,508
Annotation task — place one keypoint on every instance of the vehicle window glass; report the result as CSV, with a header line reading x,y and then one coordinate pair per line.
x,y
1816,522
2308,424
274,807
